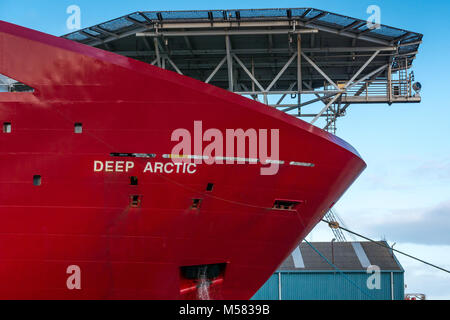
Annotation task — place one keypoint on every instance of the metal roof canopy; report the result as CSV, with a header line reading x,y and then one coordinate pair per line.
x,y
259,53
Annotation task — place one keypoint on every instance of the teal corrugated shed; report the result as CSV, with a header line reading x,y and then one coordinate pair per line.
x,y
307,276
330,286
269,291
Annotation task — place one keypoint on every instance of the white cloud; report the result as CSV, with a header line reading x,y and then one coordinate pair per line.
x,y
422,226
436,169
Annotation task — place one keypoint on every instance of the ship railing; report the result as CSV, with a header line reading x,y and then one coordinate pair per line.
x,y
392,89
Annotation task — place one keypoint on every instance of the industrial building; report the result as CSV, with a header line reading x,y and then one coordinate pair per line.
x,y
306,275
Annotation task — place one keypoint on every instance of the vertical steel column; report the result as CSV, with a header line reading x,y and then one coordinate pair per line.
x,y
392,286
299,72
255,97
229,63
279,285
253,83
253,73
389,86
158,56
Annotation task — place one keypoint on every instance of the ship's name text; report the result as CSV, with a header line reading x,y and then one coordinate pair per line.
x,y
150,167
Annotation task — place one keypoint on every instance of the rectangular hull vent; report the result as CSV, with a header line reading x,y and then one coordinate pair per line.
x,y
282,204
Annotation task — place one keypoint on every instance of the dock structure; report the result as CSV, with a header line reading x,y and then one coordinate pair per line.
x,y
287,58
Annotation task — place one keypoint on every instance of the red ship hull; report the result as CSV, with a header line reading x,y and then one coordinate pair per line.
x,y
81,217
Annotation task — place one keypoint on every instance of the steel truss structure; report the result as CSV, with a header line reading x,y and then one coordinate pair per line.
x,y
286,58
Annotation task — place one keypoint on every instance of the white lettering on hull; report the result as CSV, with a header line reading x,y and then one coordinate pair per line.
x,y
150,167
113,166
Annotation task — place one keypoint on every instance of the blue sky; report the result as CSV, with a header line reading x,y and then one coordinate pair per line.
x,y
404,195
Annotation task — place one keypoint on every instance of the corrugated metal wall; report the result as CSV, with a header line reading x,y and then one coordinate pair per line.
x,y
330,286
